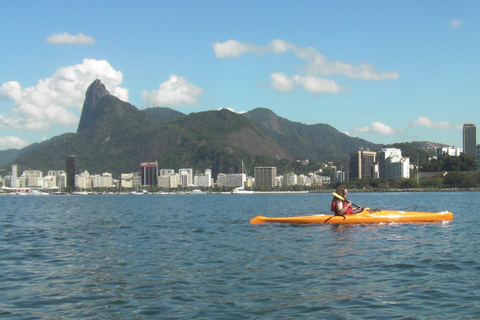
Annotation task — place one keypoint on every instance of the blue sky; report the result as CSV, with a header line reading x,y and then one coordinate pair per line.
x,y
384,71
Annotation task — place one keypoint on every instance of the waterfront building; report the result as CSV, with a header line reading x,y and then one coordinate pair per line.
x,y
149,173
171,181
361,164
478,156
470,139
71,164
290,179
231,180
29,178
186,177
265,176
203,179
103,180
84,181
451,151
13,177
126,180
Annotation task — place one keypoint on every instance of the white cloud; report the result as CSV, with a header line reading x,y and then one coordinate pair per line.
x,y
56,100
234,48
174,92
376,127
316,85
429,123
232,110
10,142
456,23
280,81
317,63
66,38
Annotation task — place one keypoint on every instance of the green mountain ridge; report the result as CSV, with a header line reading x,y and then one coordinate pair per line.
x,y
115,137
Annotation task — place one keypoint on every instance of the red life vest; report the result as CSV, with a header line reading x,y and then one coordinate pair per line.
x,y
334,207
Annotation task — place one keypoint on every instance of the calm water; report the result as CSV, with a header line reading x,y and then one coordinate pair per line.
x,y
198,257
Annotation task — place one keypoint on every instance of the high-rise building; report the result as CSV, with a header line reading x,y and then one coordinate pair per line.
x,y
265,176
478,156
149,173
71,170
186,177
361,163
470,139
13,179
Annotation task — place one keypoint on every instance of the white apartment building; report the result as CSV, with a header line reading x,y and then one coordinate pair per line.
x,y
392,165
29,178
84,181
290,179
186,177
203,179
451,151
231,179
169,181
103,180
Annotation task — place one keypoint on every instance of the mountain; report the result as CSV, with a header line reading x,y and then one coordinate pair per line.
x,y
95,92
163,115
114,136
319,142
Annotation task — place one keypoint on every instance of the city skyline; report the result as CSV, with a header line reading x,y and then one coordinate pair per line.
x,y
390,72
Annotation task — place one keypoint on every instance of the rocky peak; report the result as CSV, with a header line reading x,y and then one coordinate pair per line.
x,y
94,93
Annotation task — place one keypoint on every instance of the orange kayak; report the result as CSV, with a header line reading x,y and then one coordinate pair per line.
x,y
366,216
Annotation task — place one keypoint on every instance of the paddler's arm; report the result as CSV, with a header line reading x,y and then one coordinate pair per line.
x,y
340,208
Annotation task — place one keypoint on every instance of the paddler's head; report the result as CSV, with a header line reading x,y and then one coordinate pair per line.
x,y
341,191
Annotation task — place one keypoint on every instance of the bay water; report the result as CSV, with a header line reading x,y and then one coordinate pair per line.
x,y
198,257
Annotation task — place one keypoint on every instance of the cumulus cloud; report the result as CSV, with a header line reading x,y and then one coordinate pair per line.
x,y
66,38
56,100
315,85
11,142
429,123
376,127
456,23
174,92
317,63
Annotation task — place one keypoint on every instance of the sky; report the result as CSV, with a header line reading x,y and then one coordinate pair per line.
x,y
384,71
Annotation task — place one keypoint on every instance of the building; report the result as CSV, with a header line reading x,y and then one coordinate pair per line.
x,y
290,179
451,151
186,177
149,173
71,170
265,176
231,180
13,178
171,181
361,163
84,181
478,156
470,139
203,179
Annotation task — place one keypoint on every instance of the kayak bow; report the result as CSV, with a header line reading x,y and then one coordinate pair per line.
x,y
366,216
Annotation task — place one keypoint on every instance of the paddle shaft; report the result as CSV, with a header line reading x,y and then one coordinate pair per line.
x,y
344,199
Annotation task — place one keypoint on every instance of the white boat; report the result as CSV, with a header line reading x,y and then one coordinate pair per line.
x,y
241,190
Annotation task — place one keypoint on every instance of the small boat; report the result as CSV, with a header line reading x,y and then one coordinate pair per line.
x,y
241,190
366,216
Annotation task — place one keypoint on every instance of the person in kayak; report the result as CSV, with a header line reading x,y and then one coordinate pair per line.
x,y
343,207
